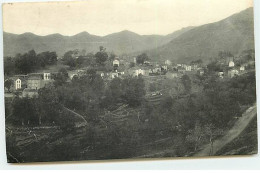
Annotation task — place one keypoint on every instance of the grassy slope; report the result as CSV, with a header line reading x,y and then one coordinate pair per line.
x,y
244,144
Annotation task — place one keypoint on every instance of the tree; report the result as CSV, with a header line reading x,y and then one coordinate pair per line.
x,y
49,105
141,58
186,83
133,90
47,58
9,66
8,84
26,63
214,66
112,57
24,111
132,64
69,58
212,133
101,56
224,54
61,77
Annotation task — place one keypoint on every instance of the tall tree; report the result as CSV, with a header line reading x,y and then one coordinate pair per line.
x,y
101,56
140,59
8,84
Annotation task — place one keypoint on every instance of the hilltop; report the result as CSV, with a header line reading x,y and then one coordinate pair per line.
x,y
233,34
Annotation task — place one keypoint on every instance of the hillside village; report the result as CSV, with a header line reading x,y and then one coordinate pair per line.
x,y
126,95
27,85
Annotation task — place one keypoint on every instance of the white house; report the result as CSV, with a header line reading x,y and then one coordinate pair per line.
x,y
221,74
168,62
114,75
137,72
194,67
46,76
188,68
231,64
232,73
165,67
135,60
116,63
242,68
18,84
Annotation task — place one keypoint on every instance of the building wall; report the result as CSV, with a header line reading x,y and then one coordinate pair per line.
x,y
30,94
35,84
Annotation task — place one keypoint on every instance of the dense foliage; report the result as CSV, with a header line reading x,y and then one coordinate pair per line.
x,y
28,62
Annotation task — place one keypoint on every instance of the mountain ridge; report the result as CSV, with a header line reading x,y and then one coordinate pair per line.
x,y
233,34
120,42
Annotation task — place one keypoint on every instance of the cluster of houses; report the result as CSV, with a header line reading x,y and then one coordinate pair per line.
x,y
29,84
230,69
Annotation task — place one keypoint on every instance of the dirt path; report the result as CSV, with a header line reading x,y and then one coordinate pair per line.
x,y
77,115
236,130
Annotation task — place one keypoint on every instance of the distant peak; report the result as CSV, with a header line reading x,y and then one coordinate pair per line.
x,y
28,33
82,33
55,34
127,31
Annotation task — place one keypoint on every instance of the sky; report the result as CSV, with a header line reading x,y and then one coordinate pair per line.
x,y
103,17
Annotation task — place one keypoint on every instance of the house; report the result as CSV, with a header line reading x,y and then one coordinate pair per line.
x,y
116,63
38,80
20,81
164,68
221,74
27,92
146,62
188,68
135,60
101,73
34,81
121,73
171,75
136,71
231,64
232,72
155,70
242,68
114,75
184,65
73,73
201,72
167,62
194,67
181,69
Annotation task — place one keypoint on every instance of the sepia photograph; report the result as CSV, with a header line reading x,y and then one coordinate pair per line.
x,y
129,79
